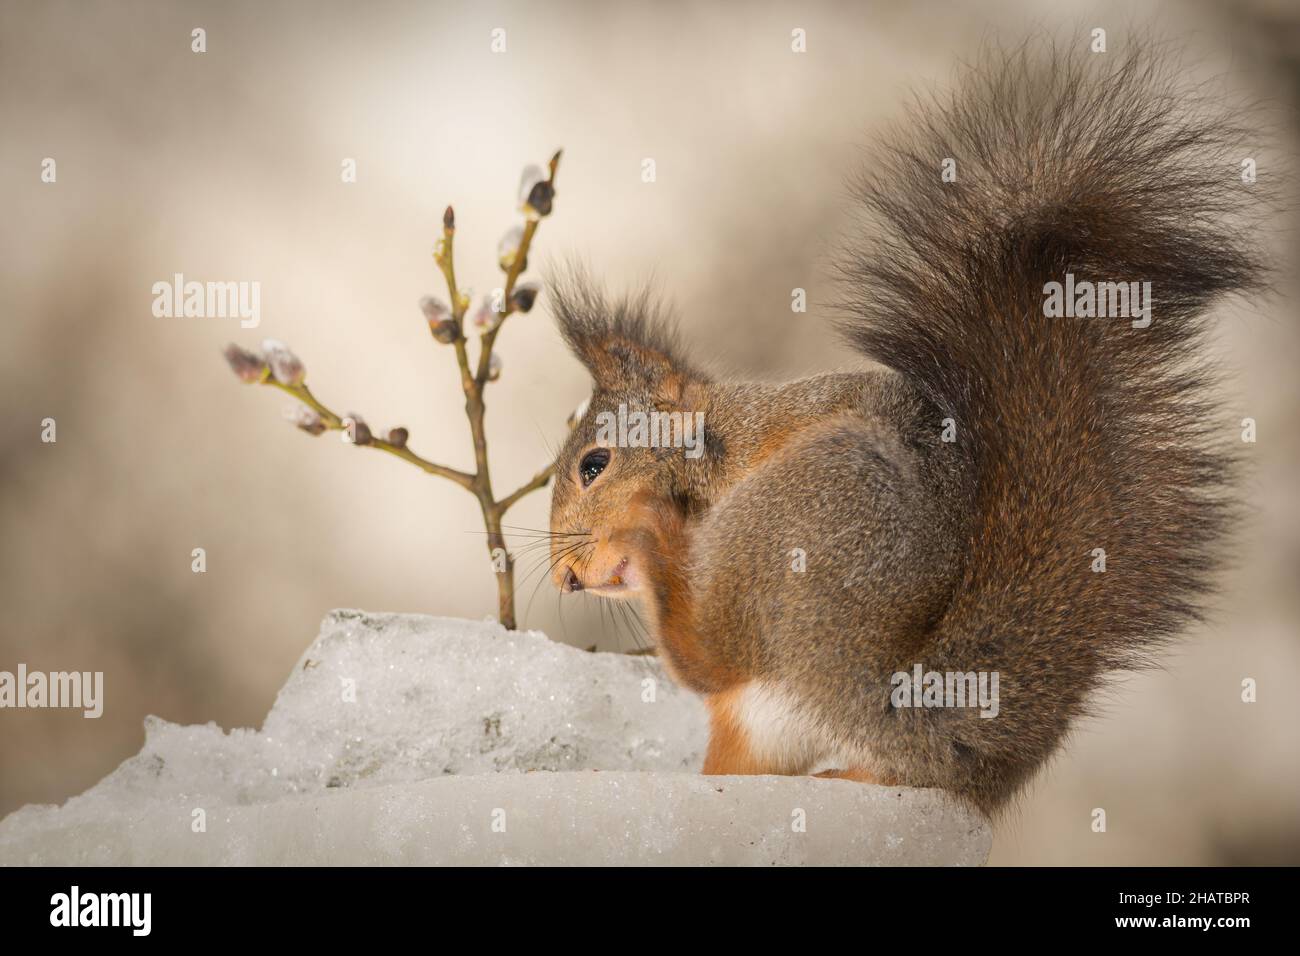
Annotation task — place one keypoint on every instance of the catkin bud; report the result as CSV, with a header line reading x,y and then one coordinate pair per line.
x,y
285,366
536,194
486,318
306,419
434,309
524,295
355,430
249,366
397,437
530,177
508,249
494,367
441,323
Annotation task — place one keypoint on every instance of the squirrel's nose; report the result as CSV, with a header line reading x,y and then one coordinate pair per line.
x,y
571,582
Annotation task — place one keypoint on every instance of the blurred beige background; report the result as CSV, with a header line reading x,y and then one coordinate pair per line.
x,y
225,166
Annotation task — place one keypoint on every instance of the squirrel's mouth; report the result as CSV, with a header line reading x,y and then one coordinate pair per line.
x,y
621,582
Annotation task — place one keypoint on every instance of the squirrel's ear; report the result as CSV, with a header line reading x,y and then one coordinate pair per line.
x,y
627,344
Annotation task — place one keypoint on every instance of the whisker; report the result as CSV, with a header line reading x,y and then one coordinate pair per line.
x,y
533,546
545,531
554,560
550,567
551,449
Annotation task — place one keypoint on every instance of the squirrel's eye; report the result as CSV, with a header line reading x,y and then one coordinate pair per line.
x,y
592,464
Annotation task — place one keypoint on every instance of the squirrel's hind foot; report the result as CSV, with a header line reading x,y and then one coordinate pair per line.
x,y
860,774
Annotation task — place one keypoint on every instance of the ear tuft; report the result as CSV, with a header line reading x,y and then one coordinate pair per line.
x,y
628,341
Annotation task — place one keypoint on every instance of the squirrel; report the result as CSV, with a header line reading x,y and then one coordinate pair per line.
x,y
1013,490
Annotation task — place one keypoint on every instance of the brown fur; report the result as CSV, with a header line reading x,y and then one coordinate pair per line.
x,y
1072,434
729,746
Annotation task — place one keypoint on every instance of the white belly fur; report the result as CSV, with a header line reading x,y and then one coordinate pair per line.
x,y
786,736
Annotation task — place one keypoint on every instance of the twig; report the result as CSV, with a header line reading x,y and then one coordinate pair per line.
x,y
283,370
334,422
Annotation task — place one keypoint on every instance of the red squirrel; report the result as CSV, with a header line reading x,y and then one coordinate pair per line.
x,y
1028,497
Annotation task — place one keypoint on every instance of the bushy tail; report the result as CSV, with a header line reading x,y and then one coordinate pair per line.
x,y
1079,433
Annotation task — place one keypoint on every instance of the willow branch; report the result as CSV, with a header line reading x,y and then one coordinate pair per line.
x,y
281,368
538,481
445,257
335,422
512,276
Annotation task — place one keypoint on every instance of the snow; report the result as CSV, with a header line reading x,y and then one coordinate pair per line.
x,y
402,738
